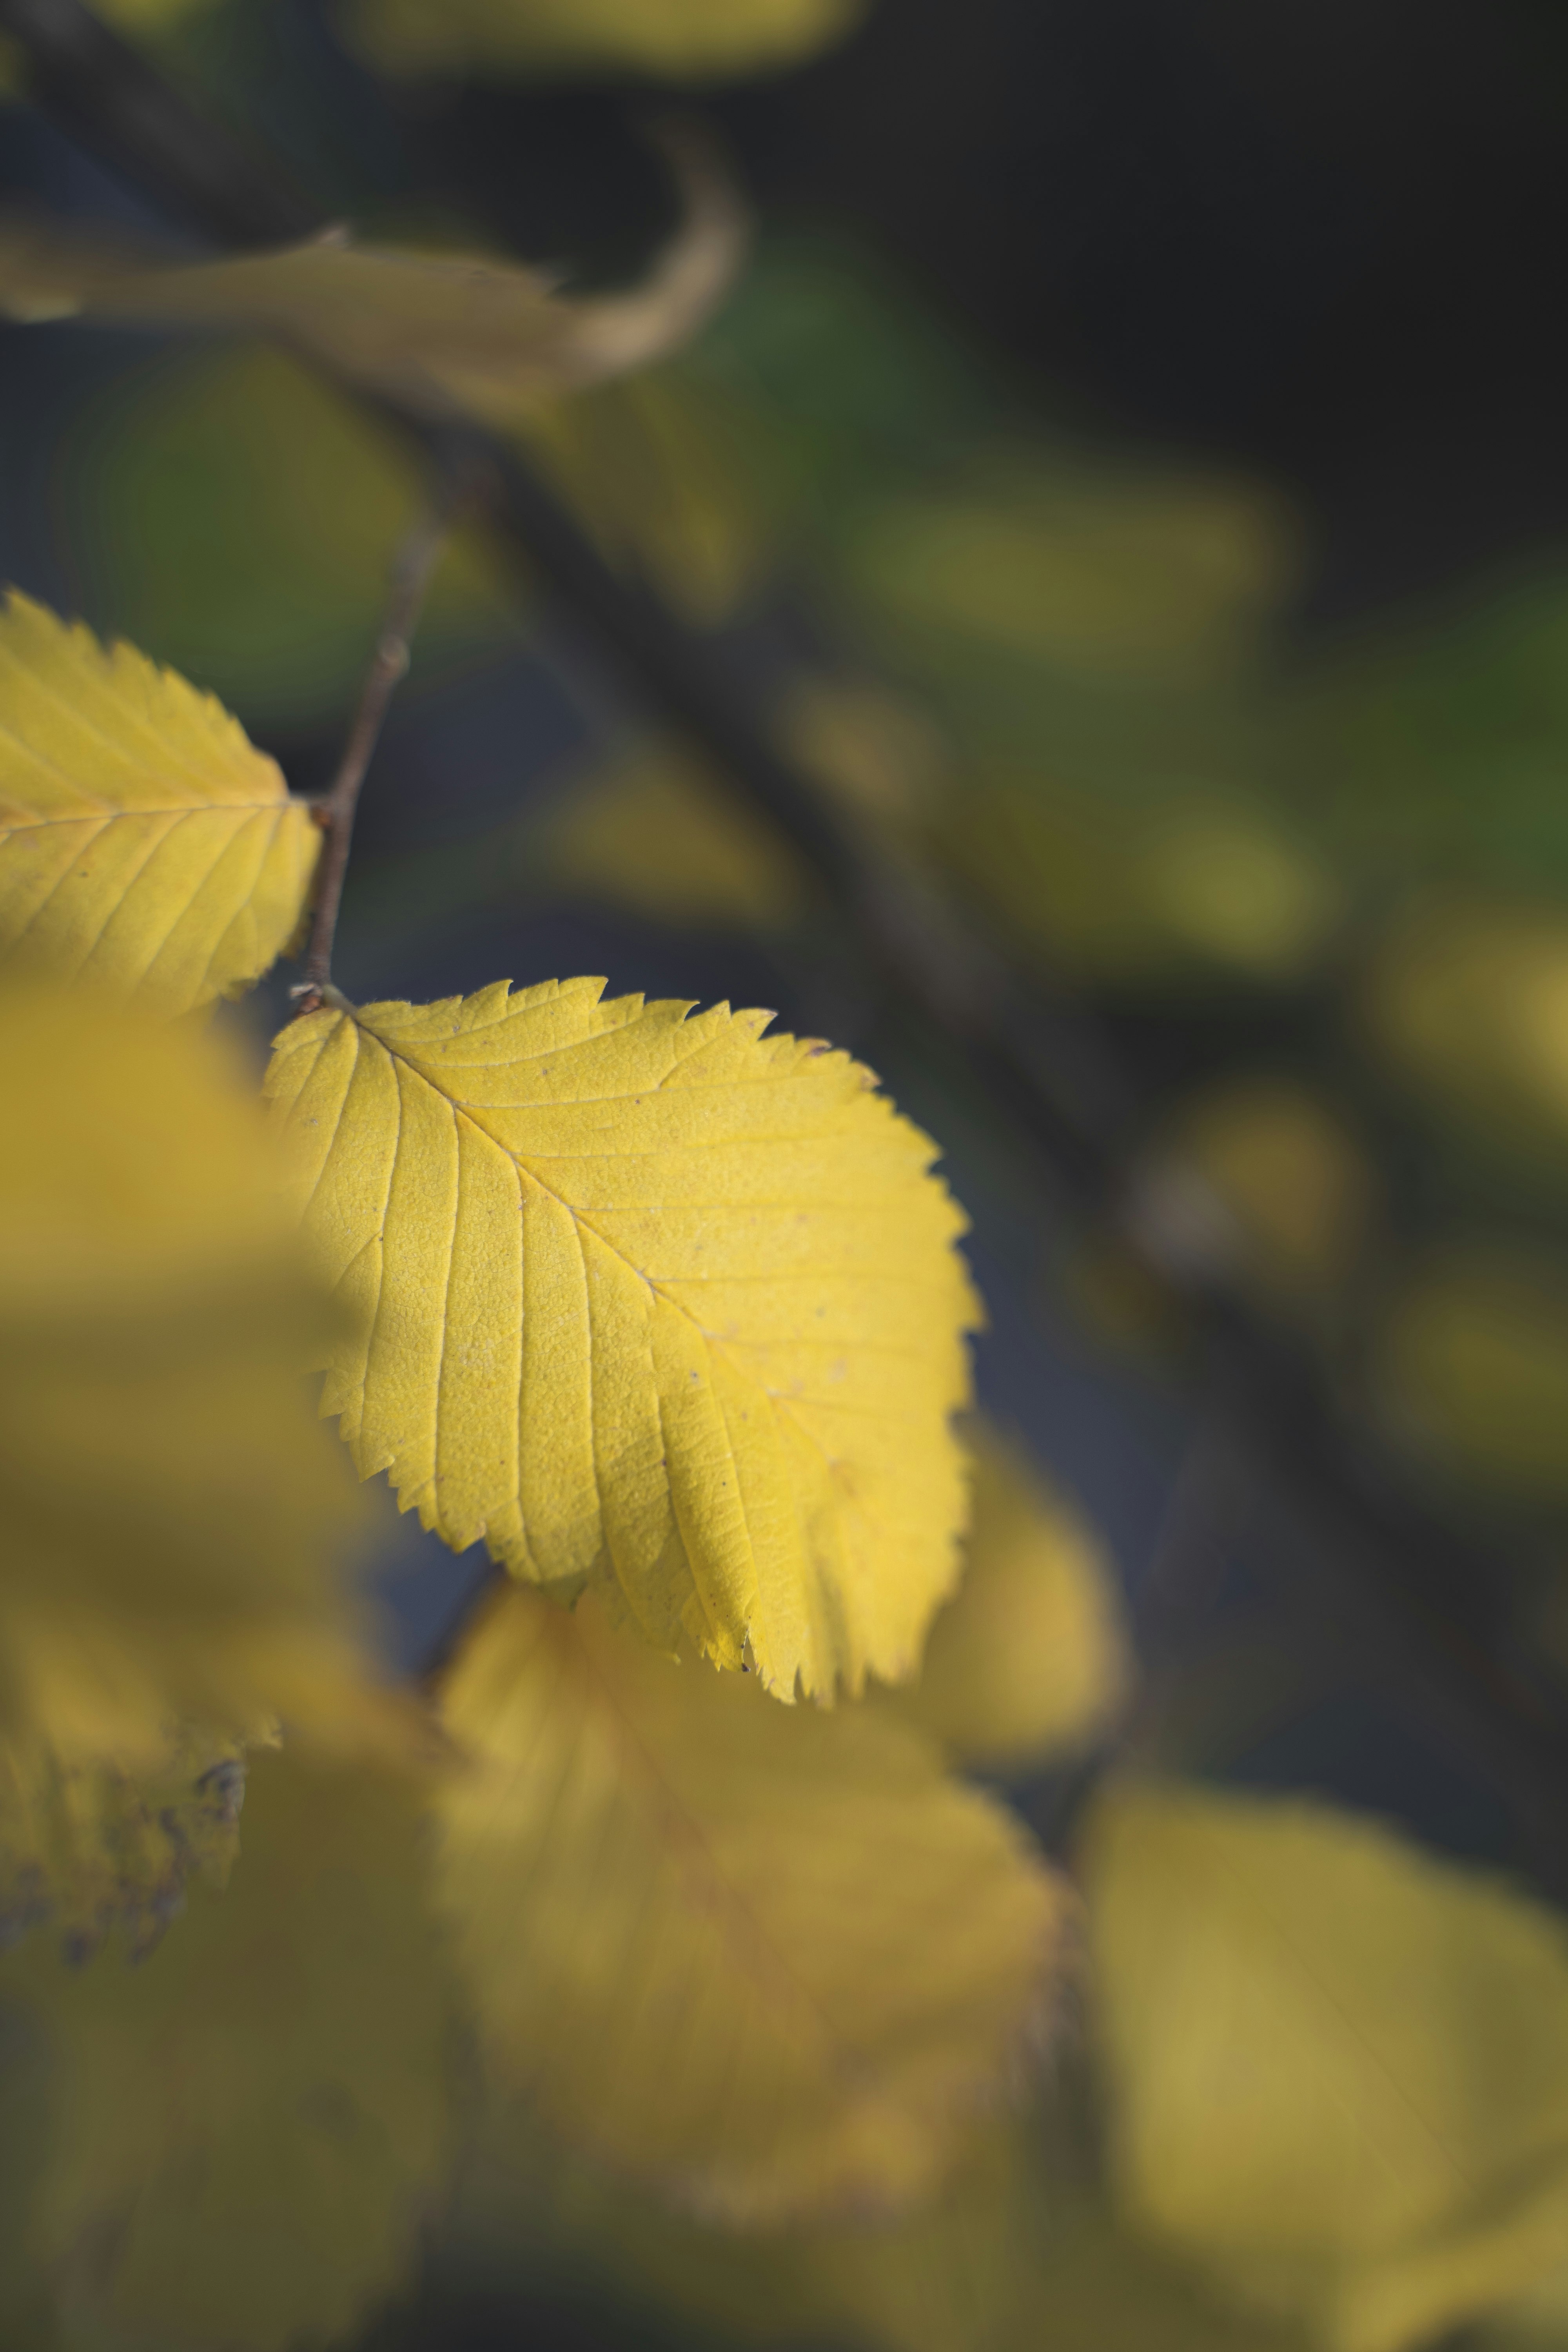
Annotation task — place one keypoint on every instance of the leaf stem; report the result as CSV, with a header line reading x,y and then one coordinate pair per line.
x,y
417,559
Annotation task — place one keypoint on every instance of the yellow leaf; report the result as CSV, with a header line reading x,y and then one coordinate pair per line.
x,y
770,1959
171,1517
654,1300
680,39
652,830
1471,1363
1030,1660
1338,2068
440,331
144,843
246,2125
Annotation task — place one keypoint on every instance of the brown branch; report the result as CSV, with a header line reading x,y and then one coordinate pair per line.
x,y
417,559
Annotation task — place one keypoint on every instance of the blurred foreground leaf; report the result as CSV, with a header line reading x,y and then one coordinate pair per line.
x,y
766,1958
1030,1660
1337,2068
652,1299
145,844
245,2127
88,1847
171,1515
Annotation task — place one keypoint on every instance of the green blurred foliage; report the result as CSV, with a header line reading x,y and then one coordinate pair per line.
x,y
1433,739
237,518
679,40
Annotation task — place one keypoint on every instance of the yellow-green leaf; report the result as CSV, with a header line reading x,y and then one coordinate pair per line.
x,y
241,517
144,844
1468,998
768,1957
653,831
663,474
868,748
1030,1659
680,39
245,2127
1338,2068
658,1300
172,1518
1471,1365
1289,1174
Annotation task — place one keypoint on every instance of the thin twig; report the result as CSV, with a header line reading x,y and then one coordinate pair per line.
x,y
417,559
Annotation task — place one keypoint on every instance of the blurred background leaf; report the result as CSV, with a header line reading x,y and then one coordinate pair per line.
x,y
1337,2068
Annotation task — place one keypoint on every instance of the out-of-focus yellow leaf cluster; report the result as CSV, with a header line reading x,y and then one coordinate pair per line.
x,y
677,40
